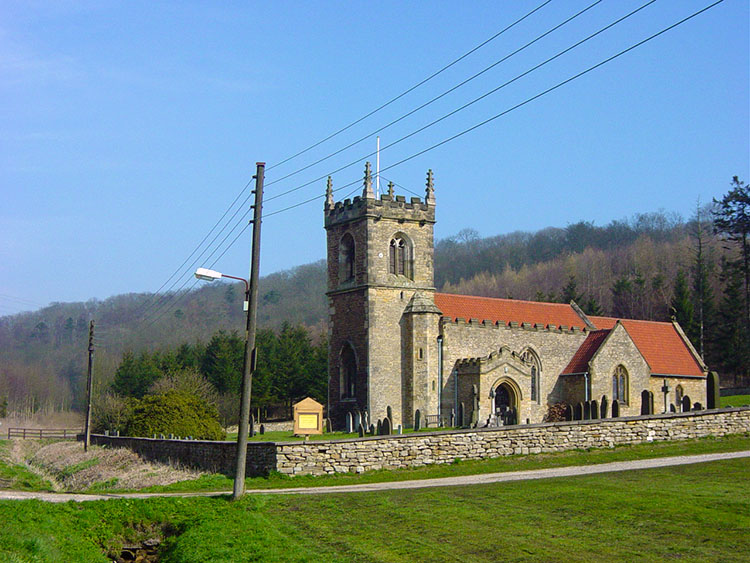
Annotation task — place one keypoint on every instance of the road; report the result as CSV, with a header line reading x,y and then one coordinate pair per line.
x,y
479,479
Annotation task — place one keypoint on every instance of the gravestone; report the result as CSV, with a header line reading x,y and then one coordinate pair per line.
x,y
712,391
604,408
417,420
328,425
379,427
615,408
453,418
349,420
645,403
357,419
672,408
697,406
361,431
387,428
568,412
262,429
389,412
578,412
651,401
400,429
475,406
685,403
461,410
594,409
587,410
372,429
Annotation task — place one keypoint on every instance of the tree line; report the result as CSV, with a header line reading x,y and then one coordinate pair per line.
x,y
290,366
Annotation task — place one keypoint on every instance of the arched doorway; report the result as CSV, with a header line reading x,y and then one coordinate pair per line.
x,y
506,403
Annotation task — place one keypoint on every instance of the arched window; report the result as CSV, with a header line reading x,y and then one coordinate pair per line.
x,y
399,256
620,390
348,372
679,392
530,358
346,258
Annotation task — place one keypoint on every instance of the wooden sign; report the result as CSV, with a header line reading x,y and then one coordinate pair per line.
x,y
308,417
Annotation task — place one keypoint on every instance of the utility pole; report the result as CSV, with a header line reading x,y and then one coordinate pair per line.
x,y
250,355
89,385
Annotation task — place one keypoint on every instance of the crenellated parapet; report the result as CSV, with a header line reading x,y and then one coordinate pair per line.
x,y
513,325
387,206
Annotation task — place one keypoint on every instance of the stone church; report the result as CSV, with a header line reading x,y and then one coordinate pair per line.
x,y
397,346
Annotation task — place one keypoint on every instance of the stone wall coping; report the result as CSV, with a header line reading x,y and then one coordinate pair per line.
x,y
412,435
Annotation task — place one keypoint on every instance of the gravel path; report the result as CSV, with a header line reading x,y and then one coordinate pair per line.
x,y
414,484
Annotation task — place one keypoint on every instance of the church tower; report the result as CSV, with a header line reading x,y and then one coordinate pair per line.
x,y
382,321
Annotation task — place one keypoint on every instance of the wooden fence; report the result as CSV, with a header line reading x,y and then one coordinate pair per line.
x,y
39,433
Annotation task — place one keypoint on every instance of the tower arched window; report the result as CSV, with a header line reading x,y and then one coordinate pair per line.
x,y
346,258
620,384
530,358
348,372
399,257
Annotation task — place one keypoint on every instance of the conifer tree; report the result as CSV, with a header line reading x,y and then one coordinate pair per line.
x,y
682,305
732,221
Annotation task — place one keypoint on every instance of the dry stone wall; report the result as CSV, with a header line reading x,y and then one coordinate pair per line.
x,y
418,449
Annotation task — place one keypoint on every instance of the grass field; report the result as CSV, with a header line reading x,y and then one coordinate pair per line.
x,y
111,480
692,513
735,400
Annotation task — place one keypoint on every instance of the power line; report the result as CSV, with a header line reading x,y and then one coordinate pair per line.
x,y
411,89
468,104
386,104
521,104
433,100
200,243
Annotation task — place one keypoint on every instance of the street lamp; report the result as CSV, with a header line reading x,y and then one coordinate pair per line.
x,y
251,306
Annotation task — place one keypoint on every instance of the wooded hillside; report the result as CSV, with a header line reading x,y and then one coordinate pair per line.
x,y
654,266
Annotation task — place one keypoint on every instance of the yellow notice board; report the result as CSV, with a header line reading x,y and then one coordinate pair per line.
x,y
308,417
308,421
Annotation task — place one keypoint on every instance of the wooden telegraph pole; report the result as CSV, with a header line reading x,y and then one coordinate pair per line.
x,y
249,362
87,440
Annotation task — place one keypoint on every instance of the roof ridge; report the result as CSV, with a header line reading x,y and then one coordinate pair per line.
x,y
505,299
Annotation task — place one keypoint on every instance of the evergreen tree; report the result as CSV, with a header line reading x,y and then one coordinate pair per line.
x,y
134,376
732,338
622,298
732,220
703,295
591,307
682,305
223,361
570,291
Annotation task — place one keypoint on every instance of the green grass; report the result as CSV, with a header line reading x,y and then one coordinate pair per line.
x,y
735,400
738,442
18,477
694,513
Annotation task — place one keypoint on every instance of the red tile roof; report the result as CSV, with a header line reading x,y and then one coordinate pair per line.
x,y
580,361
660,344
493,309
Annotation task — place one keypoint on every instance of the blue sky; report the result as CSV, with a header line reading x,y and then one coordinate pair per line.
x,y
128,128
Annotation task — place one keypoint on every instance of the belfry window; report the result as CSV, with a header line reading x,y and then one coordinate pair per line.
x,y
620,384
346,258
348,372
399,257
530,358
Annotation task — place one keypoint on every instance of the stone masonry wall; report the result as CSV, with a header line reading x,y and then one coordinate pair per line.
x,y
413,450
418,449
